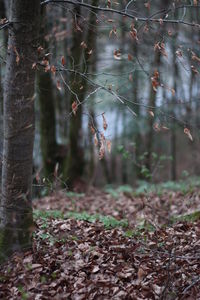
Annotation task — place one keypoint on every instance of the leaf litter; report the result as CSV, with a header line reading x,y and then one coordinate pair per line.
x,y
75,256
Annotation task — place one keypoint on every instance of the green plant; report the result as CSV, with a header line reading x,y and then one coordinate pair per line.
x,y
108,221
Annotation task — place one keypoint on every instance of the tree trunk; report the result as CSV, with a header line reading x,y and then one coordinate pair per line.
x,y
46,99
7,7
16,209
173,132
152,103
74,166
48,142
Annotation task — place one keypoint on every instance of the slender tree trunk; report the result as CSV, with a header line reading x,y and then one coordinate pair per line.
x,y
152,103
124,160
47,122
16,210
173,132
74,162
75,159
7,7
114,148
137,111
46,99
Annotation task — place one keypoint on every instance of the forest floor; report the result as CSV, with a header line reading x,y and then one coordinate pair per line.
x,y
110,245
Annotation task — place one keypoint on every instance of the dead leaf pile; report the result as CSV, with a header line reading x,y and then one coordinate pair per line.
x,y
74,259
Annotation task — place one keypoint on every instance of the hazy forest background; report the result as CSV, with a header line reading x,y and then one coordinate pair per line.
x,y
149,146
108,93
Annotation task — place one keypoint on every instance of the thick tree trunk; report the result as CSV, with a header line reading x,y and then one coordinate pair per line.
x,y
16,212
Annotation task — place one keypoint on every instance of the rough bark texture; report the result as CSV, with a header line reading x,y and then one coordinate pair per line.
x,y
15,211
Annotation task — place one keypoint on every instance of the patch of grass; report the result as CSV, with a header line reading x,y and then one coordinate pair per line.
x,y
75,195
45,214
115,192
108,221
183,186
24,294
195,216
111,222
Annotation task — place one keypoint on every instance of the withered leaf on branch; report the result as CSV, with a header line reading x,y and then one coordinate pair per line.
x,y
109,145
151,113
63,61
105,125
102,151
92,129
96,140
74,107
188,133
58,85
117,54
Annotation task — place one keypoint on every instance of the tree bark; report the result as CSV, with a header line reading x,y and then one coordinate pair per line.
x,y
48,143
152,103
16,210
173,132
74,166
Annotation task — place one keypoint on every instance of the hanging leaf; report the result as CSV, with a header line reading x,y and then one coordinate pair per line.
x,y
83,45
133,32
109,145
130,77
58,85
179,53
165,128
92,129
113,31
109,3
151,113
194,70
63,61
17,56
34,65
156,127
101,151
195,57
155,80
96,140
117,54
90,52
147,5
105,125
74,107
160,46
53,70
187,132
40,49
130,57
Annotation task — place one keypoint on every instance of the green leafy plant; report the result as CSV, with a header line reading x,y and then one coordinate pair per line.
x,y
108,221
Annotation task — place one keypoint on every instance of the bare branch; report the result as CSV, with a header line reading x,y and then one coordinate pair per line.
x,y
124,13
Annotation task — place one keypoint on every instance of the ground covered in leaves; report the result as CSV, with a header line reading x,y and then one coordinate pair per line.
x,y
105,245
